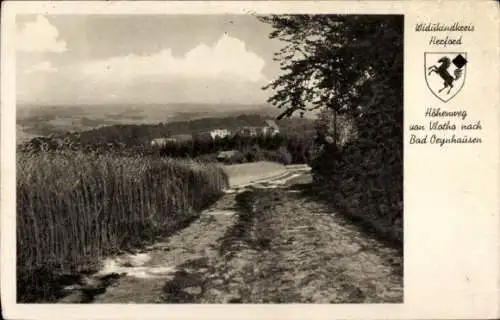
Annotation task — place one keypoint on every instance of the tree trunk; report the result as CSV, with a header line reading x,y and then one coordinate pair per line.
x,y
334,128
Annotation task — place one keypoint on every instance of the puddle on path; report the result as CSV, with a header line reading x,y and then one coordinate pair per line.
x,y
220,212
144,274
135,266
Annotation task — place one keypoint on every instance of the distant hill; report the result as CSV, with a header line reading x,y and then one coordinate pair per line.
x,y
22,136
132,135
46,120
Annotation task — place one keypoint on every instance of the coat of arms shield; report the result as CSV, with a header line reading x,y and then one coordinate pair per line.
x,y
445,73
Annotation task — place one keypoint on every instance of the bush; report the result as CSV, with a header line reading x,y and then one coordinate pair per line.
x,y
298,148
282,155
74,208
366,184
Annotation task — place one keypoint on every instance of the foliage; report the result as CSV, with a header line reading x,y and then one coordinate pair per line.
x,y
350,66
288,149
334,128
298,148
73,208
337,61
296,135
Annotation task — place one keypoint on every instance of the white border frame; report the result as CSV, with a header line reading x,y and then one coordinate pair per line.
x,y
424,298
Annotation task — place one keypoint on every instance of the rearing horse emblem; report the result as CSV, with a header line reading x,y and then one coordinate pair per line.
x,y
445,73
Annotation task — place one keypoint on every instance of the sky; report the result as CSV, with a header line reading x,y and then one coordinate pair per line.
x,y
103,59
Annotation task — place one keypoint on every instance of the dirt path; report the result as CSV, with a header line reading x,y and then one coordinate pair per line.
x,y
298,251
263,242
285,248
195,245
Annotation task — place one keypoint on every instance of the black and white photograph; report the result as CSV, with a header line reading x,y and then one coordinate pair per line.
x,y
223,158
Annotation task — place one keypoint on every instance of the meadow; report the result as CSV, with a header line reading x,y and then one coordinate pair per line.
x,y
74,208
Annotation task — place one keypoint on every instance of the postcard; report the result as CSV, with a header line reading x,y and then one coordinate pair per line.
x,y
250,160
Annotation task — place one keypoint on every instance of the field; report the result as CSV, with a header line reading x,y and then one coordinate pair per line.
x,y
75,208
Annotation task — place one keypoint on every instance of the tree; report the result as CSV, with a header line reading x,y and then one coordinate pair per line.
x,y
349,64
351,68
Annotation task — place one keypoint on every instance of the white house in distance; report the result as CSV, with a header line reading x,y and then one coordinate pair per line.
x,y
219,133
271,128
162,142
227,155
268,128
175,139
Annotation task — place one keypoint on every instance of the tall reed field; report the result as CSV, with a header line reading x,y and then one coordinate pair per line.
x,y
74,208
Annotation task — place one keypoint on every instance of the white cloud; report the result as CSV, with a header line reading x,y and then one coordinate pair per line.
x,y
226,72
44,66
228,59
39,36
